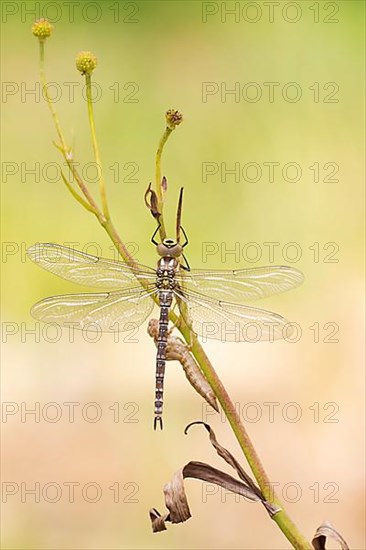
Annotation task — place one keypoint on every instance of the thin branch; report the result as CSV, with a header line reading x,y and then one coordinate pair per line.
x,y
158,180
102,188
76,195
63,148
47,97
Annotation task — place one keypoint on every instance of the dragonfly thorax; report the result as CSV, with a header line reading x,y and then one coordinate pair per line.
x,y
170,248
166,272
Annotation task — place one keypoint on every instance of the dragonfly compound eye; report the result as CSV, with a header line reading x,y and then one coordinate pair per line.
x,y
169,248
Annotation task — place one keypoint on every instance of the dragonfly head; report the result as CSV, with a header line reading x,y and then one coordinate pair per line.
x,y
169,247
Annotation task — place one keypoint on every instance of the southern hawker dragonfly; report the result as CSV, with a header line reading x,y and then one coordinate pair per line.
x,y
210,301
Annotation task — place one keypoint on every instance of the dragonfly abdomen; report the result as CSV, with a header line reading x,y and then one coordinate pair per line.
x,y
165,301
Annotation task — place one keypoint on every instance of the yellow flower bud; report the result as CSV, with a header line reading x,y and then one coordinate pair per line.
x,y
173,118
42,29
86,62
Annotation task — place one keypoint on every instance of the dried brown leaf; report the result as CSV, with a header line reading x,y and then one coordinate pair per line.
x,y
151,201
157,520
327,530
179,214
205,472
175,496
164,184
228,457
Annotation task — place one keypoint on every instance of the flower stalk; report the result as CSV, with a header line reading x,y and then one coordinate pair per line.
x,y
158,180
173,119
86,63
102,188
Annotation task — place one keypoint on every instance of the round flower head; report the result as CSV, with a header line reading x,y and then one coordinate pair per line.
x,y
86,62
42,29
173,118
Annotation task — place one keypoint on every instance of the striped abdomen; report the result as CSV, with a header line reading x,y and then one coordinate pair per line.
x,y
165,301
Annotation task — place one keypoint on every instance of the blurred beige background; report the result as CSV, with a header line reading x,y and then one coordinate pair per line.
x,y
162,55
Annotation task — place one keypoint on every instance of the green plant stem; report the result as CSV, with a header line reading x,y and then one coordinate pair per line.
x,y
63,148
158,178
283,521
121,248
281,518
76,195
47,97
102,187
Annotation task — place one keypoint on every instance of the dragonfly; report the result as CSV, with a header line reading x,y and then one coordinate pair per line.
x,y
210,301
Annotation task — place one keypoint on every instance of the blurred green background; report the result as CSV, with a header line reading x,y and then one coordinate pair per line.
x,y
166,53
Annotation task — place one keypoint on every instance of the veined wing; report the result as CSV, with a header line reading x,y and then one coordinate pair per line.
x,y
240,285
101,311
85,269
230,322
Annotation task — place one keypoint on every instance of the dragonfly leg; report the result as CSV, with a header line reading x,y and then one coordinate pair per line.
x,y
185,236
155,232
187,345
186,267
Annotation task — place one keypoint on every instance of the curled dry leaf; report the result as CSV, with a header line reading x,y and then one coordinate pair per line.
x,y
151,201
327,530
228,457
164,184
175,496
178,224
177,350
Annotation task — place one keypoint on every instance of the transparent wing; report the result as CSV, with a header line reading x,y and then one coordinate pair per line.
x,y
229,322
102,311
85,269
241,284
